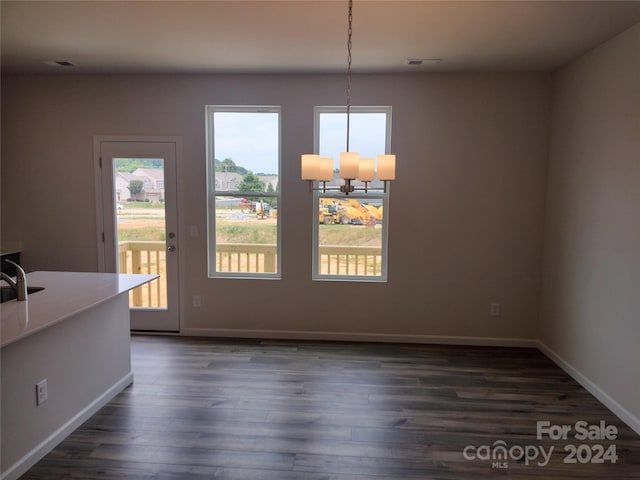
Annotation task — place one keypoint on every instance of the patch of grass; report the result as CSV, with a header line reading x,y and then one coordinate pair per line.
x,y
156,205
137,216
148,234
356,235
238,233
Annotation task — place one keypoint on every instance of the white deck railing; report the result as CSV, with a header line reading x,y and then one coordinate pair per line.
x,y
345,260
246,258
150,257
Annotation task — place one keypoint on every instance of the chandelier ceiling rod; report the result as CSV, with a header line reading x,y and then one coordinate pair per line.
x,y
349,45
319,169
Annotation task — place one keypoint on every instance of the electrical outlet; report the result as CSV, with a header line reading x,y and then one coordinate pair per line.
x,y
196,301
42,393
494,309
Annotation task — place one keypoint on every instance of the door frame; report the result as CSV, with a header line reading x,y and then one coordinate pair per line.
x,y
100,207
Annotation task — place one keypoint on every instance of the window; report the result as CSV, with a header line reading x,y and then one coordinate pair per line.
x,y
350,232
243,168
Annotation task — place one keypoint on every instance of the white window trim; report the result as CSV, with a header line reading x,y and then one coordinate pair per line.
x,y
384,196
212,193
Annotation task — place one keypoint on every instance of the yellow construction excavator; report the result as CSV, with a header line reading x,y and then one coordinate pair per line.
x,y
347,211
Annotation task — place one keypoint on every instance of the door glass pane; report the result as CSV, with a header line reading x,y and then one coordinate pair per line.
x,y
141,226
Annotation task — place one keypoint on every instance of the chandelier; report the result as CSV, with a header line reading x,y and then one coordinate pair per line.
x,y
320,169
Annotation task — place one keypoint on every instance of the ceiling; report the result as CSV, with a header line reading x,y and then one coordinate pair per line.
x,y
303,35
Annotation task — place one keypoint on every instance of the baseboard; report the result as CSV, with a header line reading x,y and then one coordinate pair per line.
x,y
49,443
359,337
622,413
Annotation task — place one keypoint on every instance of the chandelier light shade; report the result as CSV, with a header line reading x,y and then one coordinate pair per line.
x,y
326,169
352,167
366,169
386,167
310,166
349,165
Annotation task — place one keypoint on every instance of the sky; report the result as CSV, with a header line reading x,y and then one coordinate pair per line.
x,y
367,132
250,139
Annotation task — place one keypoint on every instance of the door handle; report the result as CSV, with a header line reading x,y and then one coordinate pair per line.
x,y
171,248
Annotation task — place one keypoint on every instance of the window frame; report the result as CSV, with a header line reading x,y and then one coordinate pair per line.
x,y
382,196
212,193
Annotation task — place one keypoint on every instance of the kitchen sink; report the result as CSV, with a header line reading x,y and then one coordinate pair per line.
x,y
8,293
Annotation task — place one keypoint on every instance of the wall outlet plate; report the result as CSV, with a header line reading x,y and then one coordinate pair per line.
x,y
42,393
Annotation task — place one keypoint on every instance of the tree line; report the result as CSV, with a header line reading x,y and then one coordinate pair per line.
x,y
250,181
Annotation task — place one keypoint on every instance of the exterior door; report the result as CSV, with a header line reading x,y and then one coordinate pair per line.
x,y
138,217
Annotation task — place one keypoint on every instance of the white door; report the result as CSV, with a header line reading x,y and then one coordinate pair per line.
x,y
137,214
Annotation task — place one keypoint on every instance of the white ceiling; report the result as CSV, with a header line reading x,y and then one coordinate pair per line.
x,y
303,35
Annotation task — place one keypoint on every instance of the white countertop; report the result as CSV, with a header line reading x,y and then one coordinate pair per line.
x,y
65,294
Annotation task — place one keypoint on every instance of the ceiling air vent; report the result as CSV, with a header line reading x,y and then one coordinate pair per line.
x,y
59,63
424,61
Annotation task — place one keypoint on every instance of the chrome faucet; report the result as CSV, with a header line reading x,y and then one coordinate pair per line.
x,y
19,284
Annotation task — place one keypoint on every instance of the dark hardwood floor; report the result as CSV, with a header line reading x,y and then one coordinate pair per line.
x,y
247,410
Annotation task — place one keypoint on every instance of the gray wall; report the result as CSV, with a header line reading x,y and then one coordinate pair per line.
x,y
590,318
466,211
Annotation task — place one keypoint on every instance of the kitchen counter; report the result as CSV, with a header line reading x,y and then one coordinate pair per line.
x,y
74,336
65,294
